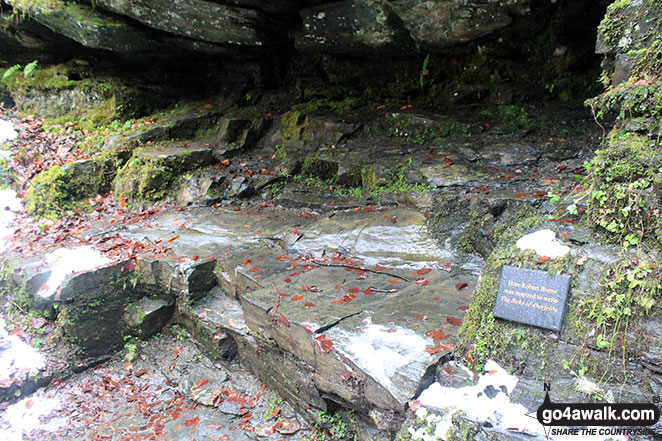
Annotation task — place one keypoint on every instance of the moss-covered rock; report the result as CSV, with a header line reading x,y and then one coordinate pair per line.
x,y
59,189
70,93
629,37
610,301
151,173
626,190
84,24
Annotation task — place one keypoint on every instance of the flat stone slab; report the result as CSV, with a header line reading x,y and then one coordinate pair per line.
x,y
361,300
350,326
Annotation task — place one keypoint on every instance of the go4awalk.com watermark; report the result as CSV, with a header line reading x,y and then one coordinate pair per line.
x,y
597,419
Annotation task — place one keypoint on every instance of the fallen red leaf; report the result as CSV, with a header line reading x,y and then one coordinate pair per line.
x,y
436,334
432,349
176,352
422,281
422,272
462,308
192,422
461,286
454,321
295,298
140,372
436,299
369,291
323,343
274,412
199,384
309,304
173,238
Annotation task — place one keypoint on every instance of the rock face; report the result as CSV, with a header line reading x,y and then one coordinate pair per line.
x,y
368,27
629,38
346,28
199,20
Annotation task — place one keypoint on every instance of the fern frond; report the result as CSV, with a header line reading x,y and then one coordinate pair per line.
x,y
29,68
11,71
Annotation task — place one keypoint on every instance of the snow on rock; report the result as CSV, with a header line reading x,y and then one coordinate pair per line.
x,y
9,204
26,416
67,261
544,243
440,403
17,357
8,200
380,351
7,131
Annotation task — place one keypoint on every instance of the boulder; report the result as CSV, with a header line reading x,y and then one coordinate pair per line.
x,y
353,28
195,19
374,27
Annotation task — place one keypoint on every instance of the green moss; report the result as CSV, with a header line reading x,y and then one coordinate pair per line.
x,y
280,152
368,178
625,191
12,290
59,189
480,332
144,180
290,123
347,105
612,27
51,78
319,168
90,119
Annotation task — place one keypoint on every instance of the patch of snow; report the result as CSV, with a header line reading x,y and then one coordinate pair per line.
x,y
24,417
374,245
67,261
499,411
7,131
16,356
544,243
9,203
380,351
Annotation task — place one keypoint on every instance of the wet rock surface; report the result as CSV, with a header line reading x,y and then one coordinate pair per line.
x,y
333,300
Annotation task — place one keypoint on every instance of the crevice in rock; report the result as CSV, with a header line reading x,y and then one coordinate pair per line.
x,y
331,325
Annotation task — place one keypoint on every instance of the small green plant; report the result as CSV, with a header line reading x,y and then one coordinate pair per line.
x,y
131,346
30,68
334,427
11,71
180,332
273,404
424,71
632,290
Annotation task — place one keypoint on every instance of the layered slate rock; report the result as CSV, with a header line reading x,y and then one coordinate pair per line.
x,y
346,28
197,19
355,27
373,27
297,309
83,24
440,24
